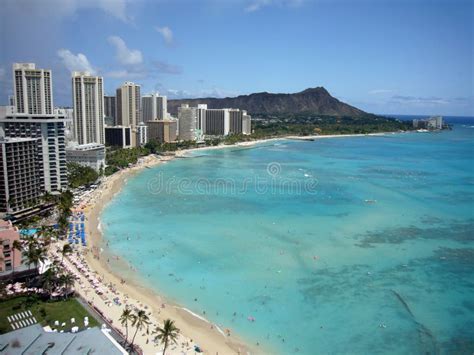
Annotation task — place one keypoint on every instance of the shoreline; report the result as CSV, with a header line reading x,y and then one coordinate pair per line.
x,y
193,327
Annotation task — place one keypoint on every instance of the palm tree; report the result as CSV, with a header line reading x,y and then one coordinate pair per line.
x,y
30,254
34,254
127,316
66,250
66,280
63,222
49,281
167,334
140,321
15,246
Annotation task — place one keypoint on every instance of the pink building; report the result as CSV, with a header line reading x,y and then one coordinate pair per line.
x,y
9,258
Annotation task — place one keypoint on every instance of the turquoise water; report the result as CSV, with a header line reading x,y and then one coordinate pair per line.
x,y
347,245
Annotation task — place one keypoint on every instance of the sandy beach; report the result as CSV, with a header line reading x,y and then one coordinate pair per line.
x,y
194,329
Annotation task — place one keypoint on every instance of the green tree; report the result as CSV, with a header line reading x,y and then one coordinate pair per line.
x,y
34,254
67,281
46,234
166,335
49,281
125,318
140,322
67,249
79,175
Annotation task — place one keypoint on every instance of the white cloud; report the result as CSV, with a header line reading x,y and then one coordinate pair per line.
x,y
75,62
115,8
125,55
256,5
166,33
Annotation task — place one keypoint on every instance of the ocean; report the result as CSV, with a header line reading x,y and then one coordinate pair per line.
x,y
341,245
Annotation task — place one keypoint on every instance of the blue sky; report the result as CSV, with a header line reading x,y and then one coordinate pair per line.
x,y
383,56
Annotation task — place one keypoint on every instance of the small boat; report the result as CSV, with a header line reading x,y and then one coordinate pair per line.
x,y
370,201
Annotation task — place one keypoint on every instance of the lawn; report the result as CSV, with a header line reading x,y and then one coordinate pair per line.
x,y
46,312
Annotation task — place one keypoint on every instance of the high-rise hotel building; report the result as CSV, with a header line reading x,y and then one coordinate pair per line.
x,y
128,103
217,122
88,99
109,110
35,118
195,122
19,178
154,107
33,93
187,122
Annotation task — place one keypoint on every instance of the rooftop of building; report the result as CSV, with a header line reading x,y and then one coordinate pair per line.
x,y
9,116
129,83
29,66
16,140
153,94
85,147
80,73
35,340
161,121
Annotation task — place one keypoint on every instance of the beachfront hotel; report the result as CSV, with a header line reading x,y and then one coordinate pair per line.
x,y
33,117
110,110
154,107
10,257
49,133
19,175
91,155
142,134
431,123
118,136
32,88
128,108
201,117
217,122
187,120
88,99
163,131
222,122
196,122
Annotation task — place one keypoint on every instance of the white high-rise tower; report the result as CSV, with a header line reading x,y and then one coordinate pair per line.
x,y
33,89
128,101
35,118
154,107
88,99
